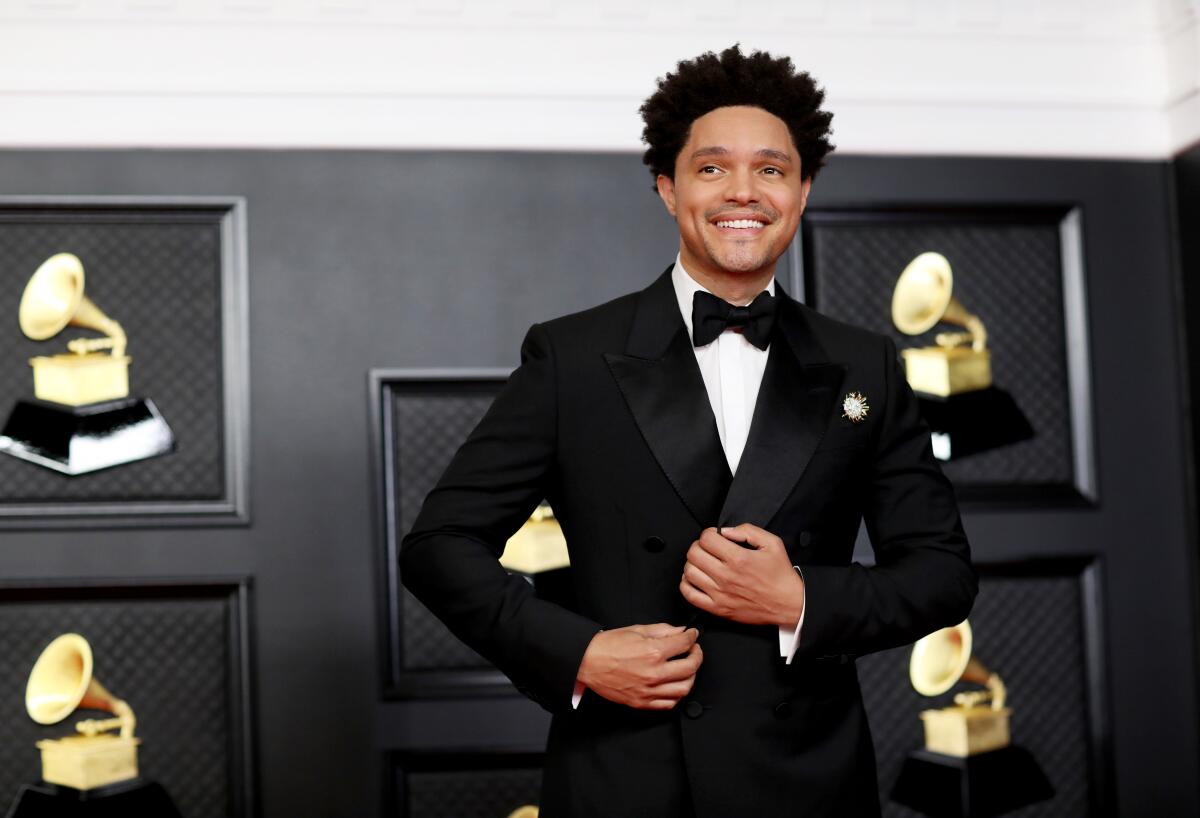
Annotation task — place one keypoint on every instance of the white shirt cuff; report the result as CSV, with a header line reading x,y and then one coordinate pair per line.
x,y
789,639
578,694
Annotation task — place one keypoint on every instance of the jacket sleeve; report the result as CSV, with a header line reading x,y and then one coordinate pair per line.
x,y
922,579
450,558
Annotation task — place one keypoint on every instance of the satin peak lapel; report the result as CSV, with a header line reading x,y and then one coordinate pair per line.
x,y
662,385
794,408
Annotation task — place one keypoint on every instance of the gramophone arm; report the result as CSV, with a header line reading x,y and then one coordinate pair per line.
x,y
976,335
124,720
114,340
995,693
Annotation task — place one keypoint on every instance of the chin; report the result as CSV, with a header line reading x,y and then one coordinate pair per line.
x,y
743,262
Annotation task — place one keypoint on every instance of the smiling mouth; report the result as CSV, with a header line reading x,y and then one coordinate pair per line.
x,y
740,224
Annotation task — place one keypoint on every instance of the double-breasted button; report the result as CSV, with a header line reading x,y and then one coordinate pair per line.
x,y
654,544
694,709
804,539
783,710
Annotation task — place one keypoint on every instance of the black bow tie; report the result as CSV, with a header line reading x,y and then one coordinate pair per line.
x,y
711,316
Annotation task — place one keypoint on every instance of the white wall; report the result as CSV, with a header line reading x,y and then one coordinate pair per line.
x,y
1106,78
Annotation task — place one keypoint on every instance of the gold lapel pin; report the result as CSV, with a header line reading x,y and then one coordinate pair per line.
x,y
855,407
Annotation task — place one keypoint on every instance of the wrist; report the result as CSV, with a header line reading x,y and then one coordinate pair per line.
x,y
793,605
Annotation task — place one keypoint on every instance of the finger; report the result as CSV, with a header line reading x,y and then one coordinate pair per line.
x,y
673,690
695,596
750,534
677,644
705,561
661,704
684,667
699,579
659,629
717,545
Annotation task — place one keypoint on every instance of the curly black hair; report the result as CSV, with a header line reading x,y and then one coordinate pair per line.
x,y
710,81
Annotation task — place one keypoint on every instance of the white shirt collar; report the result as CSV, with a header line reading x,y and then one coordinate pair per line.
x,y
686,287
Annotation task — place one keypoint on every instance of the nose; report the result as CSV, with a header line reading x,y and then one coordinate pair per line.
x,y
741,187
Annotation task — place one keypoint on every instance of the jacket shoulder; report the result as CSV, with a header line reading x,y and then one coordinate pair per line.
x,y
605,324
844,341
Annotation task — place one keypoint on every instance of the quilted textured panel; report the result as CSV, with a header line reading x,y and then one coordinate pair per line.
x,y
1030,631
161,280
169,658
430,421
489,793
1008,274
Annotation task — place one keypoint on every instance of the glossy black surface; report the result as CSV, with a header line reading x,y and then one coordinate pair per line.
x,y
80,439
976,421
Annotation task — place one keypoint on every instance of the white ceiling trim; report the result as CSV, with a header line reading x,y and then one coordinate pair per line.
x,y
1103,78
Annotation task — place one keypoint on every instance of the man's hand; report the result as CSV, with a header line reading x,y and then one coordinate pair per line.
x,y
636,666
755,586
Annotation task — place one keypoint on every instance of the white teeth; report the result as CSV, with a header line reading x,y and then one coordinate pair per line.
x,y
740,224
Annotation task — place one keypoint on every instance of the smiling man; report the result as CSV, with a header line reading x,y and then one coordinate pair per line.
x,y
710,447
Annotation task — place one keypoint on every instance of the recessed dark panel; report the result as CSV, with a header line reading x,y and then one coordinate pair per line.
x,y
171,273
177,653
464,785
1021,271
420,418
1032,625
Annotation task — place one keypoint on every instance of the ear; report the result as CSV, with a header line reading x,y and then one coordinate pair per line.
x,y
666,192
805,187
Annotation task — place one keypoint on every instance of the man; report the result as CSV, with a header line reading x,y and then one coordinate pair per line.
x,y
710,447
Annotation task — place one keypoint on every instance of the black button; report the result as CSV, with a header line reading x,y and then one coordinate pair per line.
x,y
654,544
804,539
783,710
694,710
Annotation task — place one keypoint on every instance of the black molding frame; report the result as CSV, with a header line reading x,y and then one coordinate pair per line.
x,y
396,763
229,214
1083,489
1088,570
237,591
396,682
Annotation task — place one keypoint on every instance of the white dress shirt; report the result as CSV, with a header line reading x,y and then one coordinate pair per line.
x,y
732,369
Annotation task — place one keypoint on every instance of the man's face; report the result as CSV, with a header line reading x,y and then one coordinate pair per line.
x,y
737,195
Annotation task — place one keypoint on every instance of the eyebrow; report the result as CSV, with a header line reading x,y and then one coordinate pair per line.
x,y
765,153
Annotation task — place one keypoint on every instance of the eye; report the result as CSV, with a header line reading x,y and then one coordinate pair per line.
x,y
772,171
710,169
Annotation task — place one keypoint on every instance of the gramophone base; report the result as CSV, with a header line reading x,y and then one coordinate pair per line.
x,y
130,798
80,439
973,422
89,762
947,370
965,731
978,786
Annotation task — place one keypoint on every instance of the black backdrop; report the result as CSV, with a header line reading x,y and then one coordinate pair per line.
x,y
378,259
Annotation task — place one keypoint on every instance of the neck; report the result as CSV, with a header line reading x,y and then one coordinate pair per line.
x,y
736,288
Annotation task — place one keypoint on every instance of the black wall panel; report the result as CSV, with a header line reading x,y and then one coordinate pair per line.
x,y
362,260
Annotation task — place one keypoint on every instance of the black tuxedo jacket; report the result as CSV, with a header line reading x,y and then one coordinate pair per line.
x,y
607,418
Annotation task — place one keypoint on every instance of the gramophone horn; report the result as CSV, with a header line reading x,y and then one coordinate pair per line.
x,y
61,682
923,297
943,658
54,299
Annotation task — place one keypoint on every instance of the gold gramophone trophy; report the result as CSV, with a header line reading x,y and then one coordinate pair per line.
x,y
978,720
969,765
538,551
93,772
60,683
923,298
952,378
538,546
83,418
